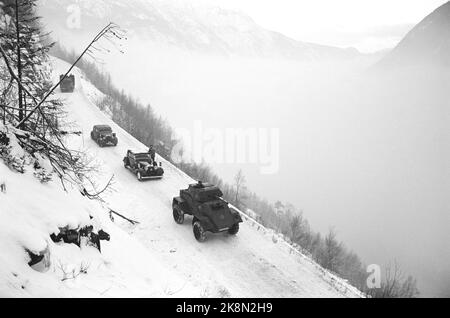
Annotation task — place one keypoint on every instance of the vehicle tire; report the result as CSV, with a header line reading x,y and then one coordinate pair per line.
x,y
139,176
199,232
92,136
234,229
178,214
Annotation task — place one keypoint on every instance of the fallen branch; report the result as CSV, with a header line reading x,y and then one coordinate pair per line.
x,y
123,217
96,196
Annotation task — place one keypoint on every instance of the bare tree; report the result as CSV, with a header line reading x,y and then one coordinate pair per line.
x,y
299,230
19,60
239,187
295,228
332,252
395,285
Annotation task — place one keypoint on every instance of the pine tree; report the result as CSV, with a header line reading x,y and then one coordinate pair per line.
x,y
27,48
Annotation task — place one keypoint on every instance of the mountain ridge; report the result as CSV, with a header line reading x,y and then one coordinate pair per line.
x,y
428,43
201,28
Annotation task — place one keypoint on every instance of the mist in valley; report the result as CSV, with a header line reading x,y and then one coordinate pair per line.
x,y
362,149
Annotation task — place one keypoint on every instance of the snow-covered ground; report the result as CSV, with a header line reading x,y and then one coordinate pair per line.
x,y
31,211
252,264
157,257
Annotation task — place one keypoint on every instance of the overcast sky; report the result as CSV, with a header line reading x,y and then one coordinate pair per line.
x,y
368,25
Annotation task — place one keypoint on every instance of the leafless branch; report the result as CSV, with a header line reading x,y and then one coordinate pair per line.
x,y
97,195
74,273
123,217
106,30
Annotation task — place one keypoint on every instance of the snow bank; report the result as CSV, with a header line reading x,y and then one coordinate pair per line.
x,y
31,211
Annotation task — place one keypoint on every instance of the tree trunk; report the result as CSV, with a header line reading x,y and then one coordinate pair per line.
x,y
19,65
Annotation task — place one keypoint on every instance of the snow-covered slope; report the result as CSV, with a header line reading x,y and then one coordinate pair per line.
x,y
183,24
31,211
256,263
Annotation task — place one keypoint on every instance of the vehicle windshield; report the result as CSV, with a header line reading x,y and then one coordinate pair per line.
x,y
143,158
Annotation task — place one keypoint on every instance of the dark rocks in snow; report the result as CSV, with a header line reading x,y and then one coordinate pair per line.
x,y
40,261
35,258
67,236
85,236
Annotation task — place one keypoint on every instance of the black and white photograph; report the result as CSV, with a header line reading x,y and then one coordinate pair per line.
x,y
241,151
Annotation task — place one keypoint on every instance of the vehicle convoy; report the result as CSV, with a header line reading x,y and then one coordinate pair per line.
x,y
104,136
67,84
211,213
143,166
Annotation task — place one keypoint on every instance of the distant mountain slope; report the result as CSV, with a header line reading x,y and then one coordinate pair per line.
x,y
428,43
183,24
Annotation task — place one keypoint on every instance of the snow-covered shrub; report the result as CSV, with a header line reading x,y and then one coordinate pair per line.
x,y
16,158
43,169
15,163
71,272
4,140
11,153
43,176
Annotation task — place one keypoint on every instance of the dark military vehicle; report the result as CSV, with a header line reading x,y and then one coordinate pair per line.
x,y
210,211
143,166
67,84
104,136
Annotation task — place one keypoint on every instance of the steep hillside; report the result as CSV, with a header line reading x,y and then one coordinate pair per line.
x,y
31,211
256,263
197,27
428,43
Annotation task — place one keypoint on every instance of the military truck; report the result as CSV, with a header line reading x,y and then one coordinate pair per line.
x,y
211,213
67,84
143,166
104,136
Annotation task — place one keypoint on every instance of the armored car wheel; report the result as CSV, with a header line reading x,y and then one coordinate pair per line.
x,y
178,214
234,229
199,232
